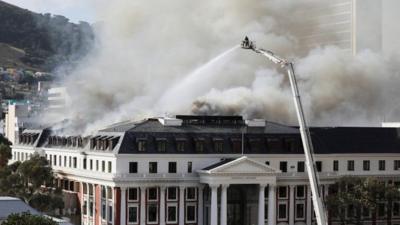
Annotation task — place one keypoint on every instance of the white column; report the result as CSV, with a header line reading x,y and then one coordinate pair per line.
x,y
181,205
272,204
106,211
200,215
142,205
291,204
224,189
87,204
162,205
123,206
94,203
82,199
261,205
214,204
113,205
309,209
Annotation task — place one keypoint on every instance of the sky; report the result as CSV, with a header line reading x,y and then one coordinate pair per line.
x,y
75,10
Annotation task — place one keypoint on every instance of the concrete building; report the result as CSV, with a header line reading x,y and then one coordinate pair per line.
x,y
17,117
57,99
353,25
208,170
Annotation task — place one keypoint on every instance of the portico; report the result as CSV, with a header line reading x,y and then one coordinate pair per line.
x,y
240,171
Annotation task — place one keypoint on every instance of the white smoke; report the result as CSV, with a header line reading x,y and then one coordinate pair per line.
x,y
147,48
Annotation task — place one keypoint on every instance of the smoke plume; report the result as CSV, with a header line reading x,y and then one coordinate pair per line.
x,y
151,55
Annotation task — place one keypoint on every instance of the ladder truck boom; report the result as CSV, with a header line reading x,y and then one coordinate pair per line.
x,y
319,207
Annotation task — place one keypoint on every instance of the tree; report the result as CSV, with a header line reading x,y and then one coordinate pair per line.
x,y
5,151
28,219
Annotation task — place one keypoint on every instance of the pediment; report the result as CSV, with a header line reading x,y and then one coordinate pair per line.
x,y
241,165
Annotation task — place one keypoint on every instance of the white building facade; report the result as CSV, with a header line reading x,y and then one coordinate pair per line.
x,y
208,170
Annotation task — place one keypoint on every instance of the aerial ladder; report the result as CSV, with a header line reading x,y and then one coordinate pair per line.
x,y
319,208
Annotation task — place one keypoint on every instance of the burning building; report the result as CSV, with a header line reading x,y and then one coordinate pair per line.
x,y
208,169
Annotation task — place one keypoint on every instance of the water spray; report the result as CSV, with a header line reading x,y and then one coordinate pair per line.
x,y
319,208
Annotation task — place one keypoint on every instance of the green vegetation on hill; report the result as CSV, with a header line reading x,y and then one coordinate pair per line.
x,y
41,41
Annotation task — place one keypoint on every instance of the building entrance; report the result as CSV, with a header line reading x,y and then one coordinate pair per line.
x,y
241,206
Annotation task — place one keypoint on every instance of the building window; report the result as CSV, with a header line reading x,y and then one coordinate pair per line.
x,y
55,160
133,167
218,146
350,165
141,145
366,165
103,166
133,214
171,167
382,165
282,211
152,213
396,164
97,165
91,164
84,164
75,162
396,209
199,146
300,211
381,210
152,194
172,214
335,165
282,192
109,166
133,194
103,210
110,213
152,167
191,213
300,166
69,162
189,169
318,165
180,146
161,146
65,161
190,193
283,166
300,192
172,194
366,212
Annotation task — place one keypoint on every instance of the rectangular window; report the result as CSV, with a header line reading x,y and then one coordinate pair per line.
x,y
172,194
84,164
109,166
161,146
69,162
103,166
133,194
152,194
218,146
300,166
97,165
189,170
171,167
91,164
366,165
110,213
103,210
55,160
133,167
300,192
75,162
84,207
65,161
300,211
282,211
318,165
282,192
191,213
172,214
141,145
152,213
396,209
152,167
382,165
335,165
180,146
190,193
133,214
199,146
381,210
283,166
350,165
396,164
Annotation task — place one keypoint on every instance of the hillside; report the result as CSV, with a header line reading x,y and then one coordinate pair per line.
x,y
40,41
